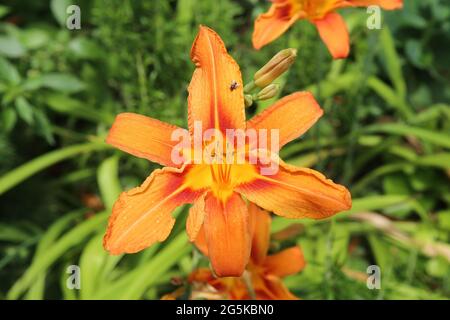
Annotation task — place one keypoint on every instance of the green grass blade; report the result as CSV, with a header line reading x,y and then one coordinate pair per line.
x,y
134,284
36,291
23,172
108,181
59,248
438,138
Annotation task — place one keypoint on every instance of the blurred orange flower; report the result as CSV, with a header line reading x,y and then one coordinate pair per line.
x,y
142,216
332,29
264,271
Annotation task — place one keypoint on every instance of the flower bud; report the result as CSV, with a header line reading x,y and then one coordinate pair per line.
x,y
248,100
268,92
279,64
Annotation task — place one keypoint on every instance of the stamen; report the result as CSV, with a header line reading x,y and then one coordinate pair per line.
x,y
211,169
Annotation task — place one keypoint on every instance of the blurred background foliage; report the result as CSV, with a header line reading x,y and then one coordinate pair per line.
x,y
385,134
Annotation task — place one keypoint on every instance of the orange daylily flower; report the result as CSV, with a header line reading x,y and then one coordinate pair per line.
x,y
264,271
142,216
332,29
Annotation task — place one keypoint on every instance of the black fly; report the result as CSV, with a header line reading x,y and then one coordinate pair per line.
x,y
234,85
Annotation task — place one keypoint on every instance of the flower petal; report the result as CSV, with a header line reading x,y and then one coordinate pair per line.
x,y
334,33
260,223
297,193
272,24
276,290
292,115
201,275
227,235
385,4
216,96
286,262
143,137
142,216
195,218
200,241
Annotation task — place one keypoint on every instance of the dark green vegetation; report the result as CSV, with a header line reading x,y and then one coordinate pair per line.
x,y
385,135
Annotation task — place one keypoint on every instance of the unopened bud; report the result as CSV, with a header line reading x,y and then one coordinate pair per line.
x,y
268,92
248,100
279,64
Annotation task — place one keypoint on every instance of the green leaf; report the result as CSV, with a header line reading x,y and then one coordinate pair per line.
x,y
134,284
85,48
184,16
372,203
24,109
401,291
23,172
32,83
58,8
438,267
11,47
108,181
67,293
36,291
383,90
4,10
378,172
63,104
332,85
11,233
413,50
432,113
9,119
389,95
438,138
62,82
392,62
396,184
380,251
310,159
43,126
34,38
8,72
59,248
341,239
439,160
95,263
444,219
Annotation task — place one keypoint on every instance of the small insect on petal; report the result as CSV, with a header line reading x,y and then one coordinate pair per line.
x,y
234,85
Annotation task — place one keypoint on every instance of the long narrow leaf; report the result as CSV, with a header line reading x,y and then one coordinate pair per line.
x,y
23,172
